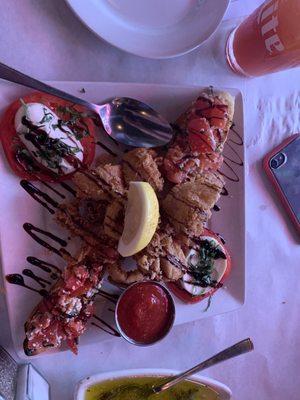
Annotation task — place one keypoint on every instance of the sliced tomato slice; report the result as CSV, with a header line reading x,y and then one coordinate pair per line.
x,y
187,297
11,142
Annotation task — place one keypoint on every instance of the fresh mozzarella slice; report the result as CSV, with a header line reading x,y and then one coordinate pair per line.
x,y
220,266
42,118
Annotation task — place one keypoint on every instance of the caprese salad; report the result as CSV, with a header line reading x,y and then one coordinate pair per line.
x,y
47,138
209,263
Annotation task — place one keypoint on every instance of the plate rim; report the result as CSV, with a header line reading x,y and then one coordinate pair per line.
x,y
187,49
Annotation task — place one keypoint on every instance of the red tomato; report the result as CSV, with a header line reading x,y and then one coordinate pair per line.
x,y
187,297
11,141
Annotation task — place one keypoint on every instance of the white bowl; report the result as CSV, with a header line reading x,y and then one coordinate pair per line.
x,y
152,28
223,390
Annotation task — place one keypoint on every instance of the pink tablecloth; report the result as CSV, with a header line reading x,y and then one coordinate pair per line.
x,y
44,38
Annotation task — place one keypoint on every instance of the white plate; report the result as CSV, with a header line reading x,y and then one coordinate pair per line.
x,y
17,207
152,28
223,390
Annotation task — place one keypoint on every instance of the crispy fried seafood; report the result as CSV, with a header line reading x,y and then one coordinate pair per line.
x,y
188,205
114,220
162,260
141,165
97,213
189,165
102,183
83,218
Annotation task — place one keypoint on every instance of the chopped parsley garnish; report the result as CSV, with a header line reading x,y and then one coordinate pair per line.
x,y
54,150
72,111
51,150
74,121
202,269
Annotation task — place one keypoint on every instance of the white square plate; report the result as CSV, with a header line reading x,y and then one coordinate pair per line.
x,y
17,207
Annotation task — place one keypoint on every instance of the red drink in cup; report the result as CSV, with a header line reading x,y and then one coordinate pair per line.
x,y
268,40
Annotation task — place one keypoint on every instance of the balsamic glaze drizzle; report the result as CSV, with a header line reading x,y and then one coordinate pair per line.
x,y
239,161
41,281
17,279
234,177
113,298
174,261
240,139
68,188
30,229
39,195
62,196
26,161
111,330
107,149
45,266
221,238
113,140
231,175
224,191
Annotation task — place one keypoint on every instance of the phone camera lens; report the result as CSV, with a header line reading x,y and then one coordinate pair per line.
x,y
274,163
278,160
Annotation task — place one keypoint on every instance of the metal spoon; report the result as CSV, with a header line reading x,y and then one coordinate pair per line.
x,y
237,349
126,120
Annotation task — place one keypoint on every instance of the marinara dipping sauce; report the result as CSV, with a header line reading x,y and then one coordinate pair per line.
x,y
145,313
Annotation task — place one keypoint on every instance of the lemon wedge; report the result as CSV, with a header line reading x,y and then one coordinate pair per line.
x,y
141,219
